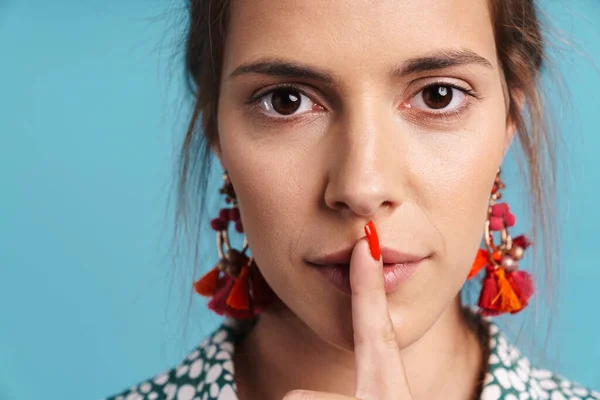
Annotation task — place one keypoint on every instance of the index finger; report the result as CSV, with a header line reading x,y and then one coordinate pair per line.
x,y
379,368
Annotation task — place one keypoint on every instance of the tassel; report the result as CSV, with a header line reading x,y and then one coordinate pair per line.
x,y
523,285
239,298
218,302
207,285
219,306
481,260
243,297
507,299
489,291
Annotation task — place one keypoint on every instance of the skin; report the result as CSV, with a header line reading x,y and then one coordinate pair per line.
x,y
362,147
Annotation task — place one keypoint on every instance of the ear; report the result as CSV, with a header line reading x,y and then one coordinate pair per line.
x,y
517,97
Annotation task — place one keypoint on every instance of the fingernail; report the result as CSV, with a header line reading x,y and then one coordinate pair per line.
x,y
373,240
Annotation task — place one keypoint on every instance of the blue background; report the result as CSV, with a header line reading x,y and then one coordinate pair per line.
x,y
93,298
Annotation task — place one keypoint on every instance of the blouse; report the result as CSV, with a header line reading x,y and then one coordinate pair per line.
x,y
208,373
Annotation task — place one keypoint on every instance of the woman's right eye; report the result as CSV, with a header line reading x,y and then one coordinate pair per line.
x,y
286,102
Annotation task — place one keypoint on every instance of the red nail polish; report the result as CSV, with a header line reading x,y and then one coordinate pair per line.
x,y
373,240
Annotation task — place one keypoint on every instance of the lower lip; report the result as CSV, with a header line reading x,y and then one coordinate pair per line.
x,y
394,275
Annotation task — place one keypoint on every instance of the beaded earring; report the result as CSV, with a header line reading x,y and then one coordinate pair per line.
x,y
504,289
237,287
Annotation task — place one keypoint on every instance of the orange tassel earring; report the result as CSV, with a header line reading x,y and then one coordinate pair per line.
x,y
235,285
504,288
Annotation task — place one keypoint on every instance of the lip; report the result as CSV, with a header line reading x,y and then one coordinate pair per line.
x,y
394,275
389,256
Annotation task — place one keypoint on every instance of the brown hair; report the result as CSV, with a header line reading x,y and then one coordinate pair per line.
x,y
521,54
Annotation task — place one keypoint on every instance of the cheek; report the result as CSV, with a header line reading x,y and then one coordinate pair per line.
x,y
455,186
271,201
277,203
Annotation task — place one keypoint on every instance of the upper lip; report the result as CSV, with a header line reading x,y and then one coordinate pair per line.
x,y
390,256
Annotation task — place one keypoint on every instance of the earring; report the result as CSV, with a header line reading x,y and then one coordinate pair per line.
x,y
237,287
504,288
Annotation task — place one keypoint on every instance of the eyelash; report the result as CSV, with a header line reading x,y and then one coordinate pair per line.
x,y
254,101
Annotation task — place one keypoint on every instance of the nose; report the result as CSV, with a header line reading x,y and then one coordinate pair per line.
x,y
365,168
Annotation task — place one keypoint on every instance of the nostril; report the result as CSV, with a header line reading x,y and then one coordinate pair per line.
x,y
340,205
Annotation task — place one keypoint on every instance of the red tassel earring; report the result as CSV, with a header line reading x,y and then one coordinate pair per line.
x,y
237,287
504,289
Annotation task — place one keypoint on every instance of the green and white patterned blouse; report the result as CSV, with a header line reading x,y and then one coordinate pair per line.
x,y
207,373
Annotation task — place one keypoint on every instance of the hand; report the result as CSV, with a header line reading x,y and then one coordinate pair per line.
x,y
380,372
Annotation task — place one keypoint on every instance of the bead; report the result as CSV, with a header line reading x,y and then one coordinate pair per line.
x,y
509,263
517,252
234,214
228,191
496,223
497,255
237,257
225,266
510,220
218,225
230,268
224,214
500,209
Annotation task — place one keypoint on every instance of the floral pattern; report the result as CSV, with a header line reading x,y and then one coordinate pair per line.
x,y
207,373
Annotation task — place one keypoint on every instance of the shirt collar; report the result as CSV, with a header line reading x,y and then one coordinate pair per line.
x,y
509,374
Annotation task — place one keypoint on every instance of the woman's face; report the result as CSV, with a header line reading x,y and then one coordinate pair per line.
x,y
333,113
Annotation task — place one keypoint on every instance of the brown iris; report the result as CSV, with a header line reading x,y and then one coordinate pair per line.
x,y
286,101
437,96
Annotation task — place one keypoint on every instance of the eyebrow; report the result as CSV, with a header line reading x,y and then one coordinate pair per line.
x,y
441,60
282,68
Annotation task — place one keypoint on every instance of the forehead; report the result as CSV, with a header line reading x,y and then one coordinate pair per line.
x,y
356,35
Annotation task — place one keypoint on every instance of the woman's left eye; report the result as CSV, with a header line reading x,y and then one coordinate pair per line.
x,y
439,98
286,102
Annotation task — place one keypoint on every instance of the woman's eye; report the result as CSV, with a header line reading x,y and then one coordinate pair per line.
x,y
442,98
284,102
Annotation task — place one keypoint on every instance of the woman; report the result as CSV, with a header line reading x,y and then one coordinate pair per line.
x,y
335,120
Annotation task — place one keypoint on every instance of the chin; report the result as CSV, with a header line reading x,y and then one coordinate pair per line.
x,y
332,324
327,312
335,327
338,333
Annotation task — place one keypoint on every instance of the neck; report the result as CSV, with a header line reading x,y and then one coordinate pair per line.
x,y
445,363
